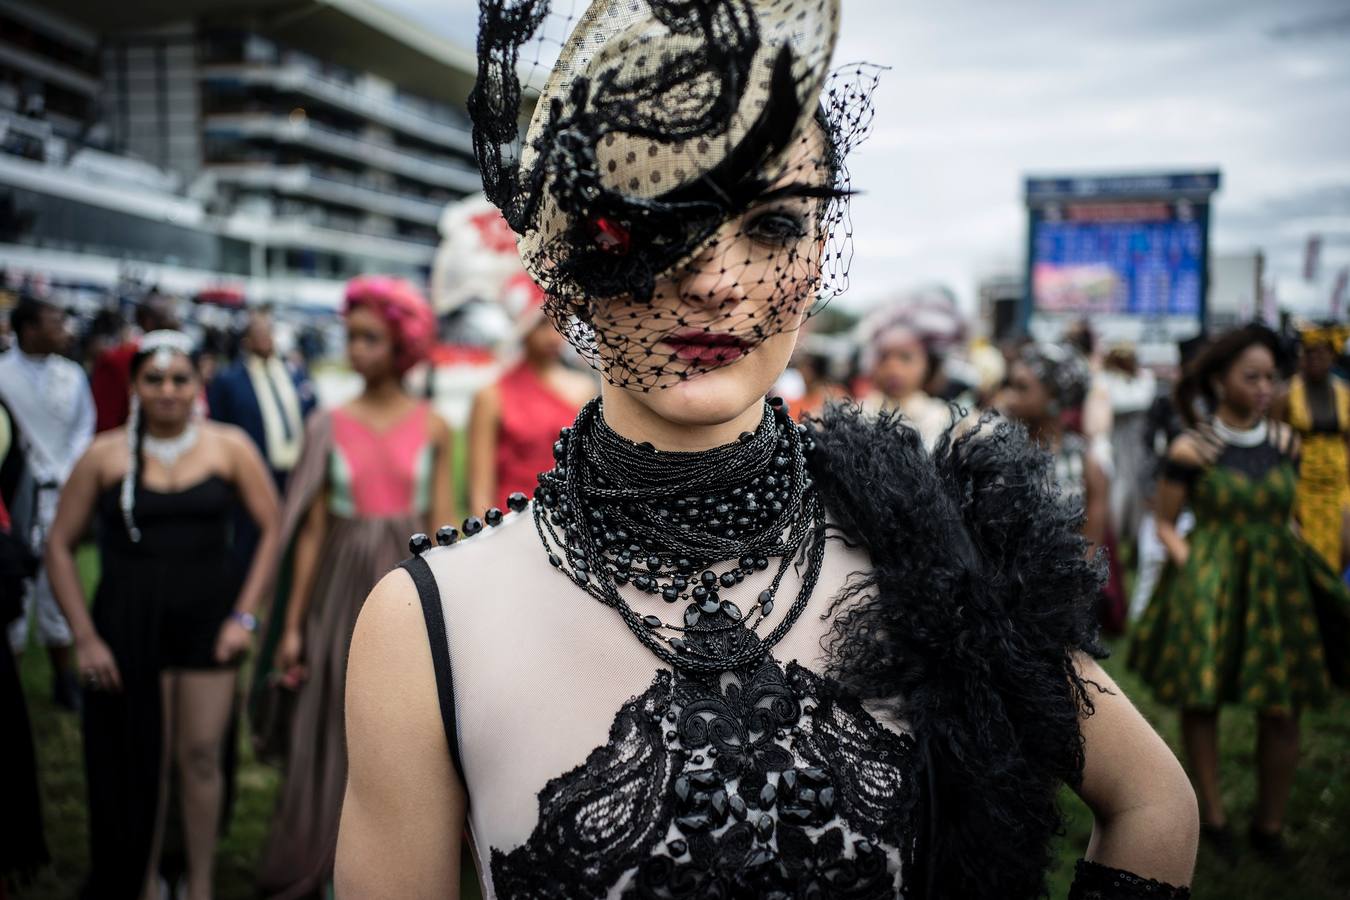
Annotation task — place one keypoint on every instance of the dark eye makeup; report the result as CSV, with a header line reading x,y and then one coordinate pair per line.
x,y
776,227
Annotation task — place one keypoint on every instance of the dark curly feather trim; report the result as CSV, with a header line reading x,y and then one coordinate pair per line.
x,y
979,595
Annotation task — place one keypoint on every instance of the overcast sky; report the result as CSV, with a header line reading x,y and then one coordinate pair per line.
x,y
983,92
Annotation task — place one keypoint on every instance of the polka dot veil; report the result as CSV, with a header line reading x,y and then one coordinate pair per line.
x,y
680,192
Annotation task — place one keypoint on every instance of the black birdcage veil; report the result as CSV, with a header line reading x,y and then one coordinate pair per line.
x,y
680,192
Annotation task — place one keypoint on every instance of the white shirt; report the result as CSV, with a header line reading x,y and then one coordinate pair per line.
x,y
49,399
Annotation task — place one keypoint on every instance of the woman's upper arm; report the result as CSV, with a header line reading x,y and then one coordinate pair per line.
x,y
75,506
403,816
252,479
1183,464
1130,771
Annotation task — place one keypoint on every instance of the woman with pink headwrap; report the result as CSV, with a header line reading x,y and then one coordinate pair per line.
x,y
373,471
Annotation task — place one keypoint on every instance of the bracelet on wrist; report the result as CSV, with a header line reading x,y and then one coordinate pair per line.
x,y
246,621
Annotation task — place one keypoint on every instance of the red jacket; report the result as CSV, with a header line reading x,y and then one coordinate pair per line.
x,y
111,384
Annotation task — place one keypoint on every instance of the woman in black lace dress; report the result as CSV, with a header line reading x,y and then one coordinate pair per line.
x,y
720,654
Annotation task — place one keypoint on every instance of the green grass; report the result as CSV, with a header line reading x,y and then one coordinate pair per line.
x,y
1319,817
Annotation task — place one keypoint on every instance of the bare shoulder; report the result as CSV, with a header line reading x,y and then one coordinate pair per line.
x,y
109,443
232,437
388,627
487,397
107,455
438,427
1189,448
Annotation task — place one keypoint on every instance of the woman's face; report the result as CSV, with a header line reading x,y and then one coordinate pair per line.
x,y
1026,398
1317,360
902,365
370,343
719,331
1248,386
167,388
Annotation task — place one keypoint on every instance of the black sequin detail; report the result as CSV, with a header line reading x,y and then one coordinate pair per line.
x,y
1093,881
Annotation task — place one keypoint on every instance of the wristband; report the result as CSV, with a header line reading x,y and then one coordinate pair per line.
x,y
247,621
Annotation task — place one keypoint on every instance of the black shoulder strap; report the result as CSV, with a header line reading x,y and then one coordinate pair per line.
x,y
440,652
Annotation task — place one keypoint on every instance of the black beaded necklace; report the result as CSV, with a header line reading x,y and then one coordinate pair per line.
x,y
625,513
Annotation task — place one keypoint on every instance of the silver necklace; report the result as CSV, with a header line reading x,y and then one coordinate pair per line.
x,y
167,451
1241,437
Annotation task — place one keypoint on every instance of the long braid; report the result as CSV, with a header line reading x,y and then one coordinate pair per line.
x,y
131,481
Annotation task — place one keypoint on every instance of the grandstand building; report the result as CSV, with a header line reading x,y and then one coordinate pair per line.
x,y
279,146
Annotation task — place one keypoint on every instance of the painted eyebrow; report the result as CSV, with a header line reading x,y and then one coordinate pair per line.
x,y
801,189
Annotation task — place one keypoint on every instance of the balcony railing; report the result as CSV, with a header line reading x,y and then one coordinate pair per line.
x,y
329,186
316,232
307,132
386,110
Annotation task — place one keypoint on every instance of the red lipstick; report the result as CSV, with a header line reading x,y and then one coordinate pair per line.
x,y
707,348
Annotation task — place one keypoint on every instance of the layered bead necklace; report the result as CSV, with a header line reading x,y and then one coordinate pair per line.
x,y
617,513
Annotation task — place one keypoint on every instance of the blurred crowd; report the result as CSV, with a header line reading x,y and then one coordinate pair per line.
x,y
235,507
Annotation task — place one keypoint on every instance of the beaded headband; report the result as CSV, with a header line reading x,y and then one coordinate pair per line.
x,y
161,346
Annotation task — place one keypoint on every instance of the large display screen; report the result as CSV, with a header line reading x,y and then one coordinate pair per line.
x,y
1142,259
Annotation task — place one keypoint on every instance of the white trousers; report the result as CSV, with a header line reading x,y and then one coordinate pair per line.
x,y
1152,558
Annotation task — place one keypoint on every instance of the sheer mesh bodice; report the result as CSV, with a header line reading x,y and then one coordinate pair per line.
x,y
593,770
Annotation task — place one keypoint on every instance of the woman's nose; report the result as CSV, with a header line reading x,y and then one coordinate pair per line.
x,y
708,283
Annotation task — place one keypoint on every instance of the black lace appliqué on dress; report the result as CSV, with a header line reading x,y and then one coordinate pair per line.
x,y
763,783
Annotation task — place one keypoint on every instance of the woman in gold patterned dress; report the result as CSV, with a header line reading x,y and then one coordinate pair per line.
x,y
1318,406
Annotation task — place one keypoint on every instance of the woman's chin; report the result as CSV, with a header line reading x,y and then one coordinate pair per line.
x,y
709,398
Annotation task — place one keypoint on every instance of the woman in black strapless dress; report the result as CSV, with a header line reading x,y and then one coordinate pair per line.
x,y
171,618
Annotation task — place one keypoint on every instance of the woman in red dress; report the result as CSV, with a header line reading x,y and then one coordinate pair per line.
x,y
515,421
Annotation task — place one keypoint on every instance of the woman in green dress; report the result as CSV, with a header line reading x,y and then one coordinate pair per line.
x,y
1245,612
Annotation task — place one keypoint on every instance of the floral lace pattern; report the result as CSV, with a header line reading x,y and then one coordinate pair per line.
x,y
766,783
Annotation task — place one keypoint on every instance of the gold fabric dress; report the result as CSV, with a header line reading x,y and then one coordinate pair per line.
x,y
1323,491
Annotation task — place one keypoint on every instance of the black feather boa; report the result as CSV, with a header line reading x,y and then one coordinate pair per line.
x,y
979,595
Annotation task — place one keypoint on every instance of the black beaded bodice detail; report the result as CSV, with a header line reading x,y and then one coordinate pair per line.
x,y
764,783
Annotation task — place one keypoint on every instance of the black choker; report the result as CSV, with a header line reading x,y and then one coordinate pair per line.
x,y
626,513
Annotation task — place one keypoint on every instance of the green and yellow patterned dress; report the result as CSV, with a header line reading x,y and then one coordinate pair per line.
x,y
1255,617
